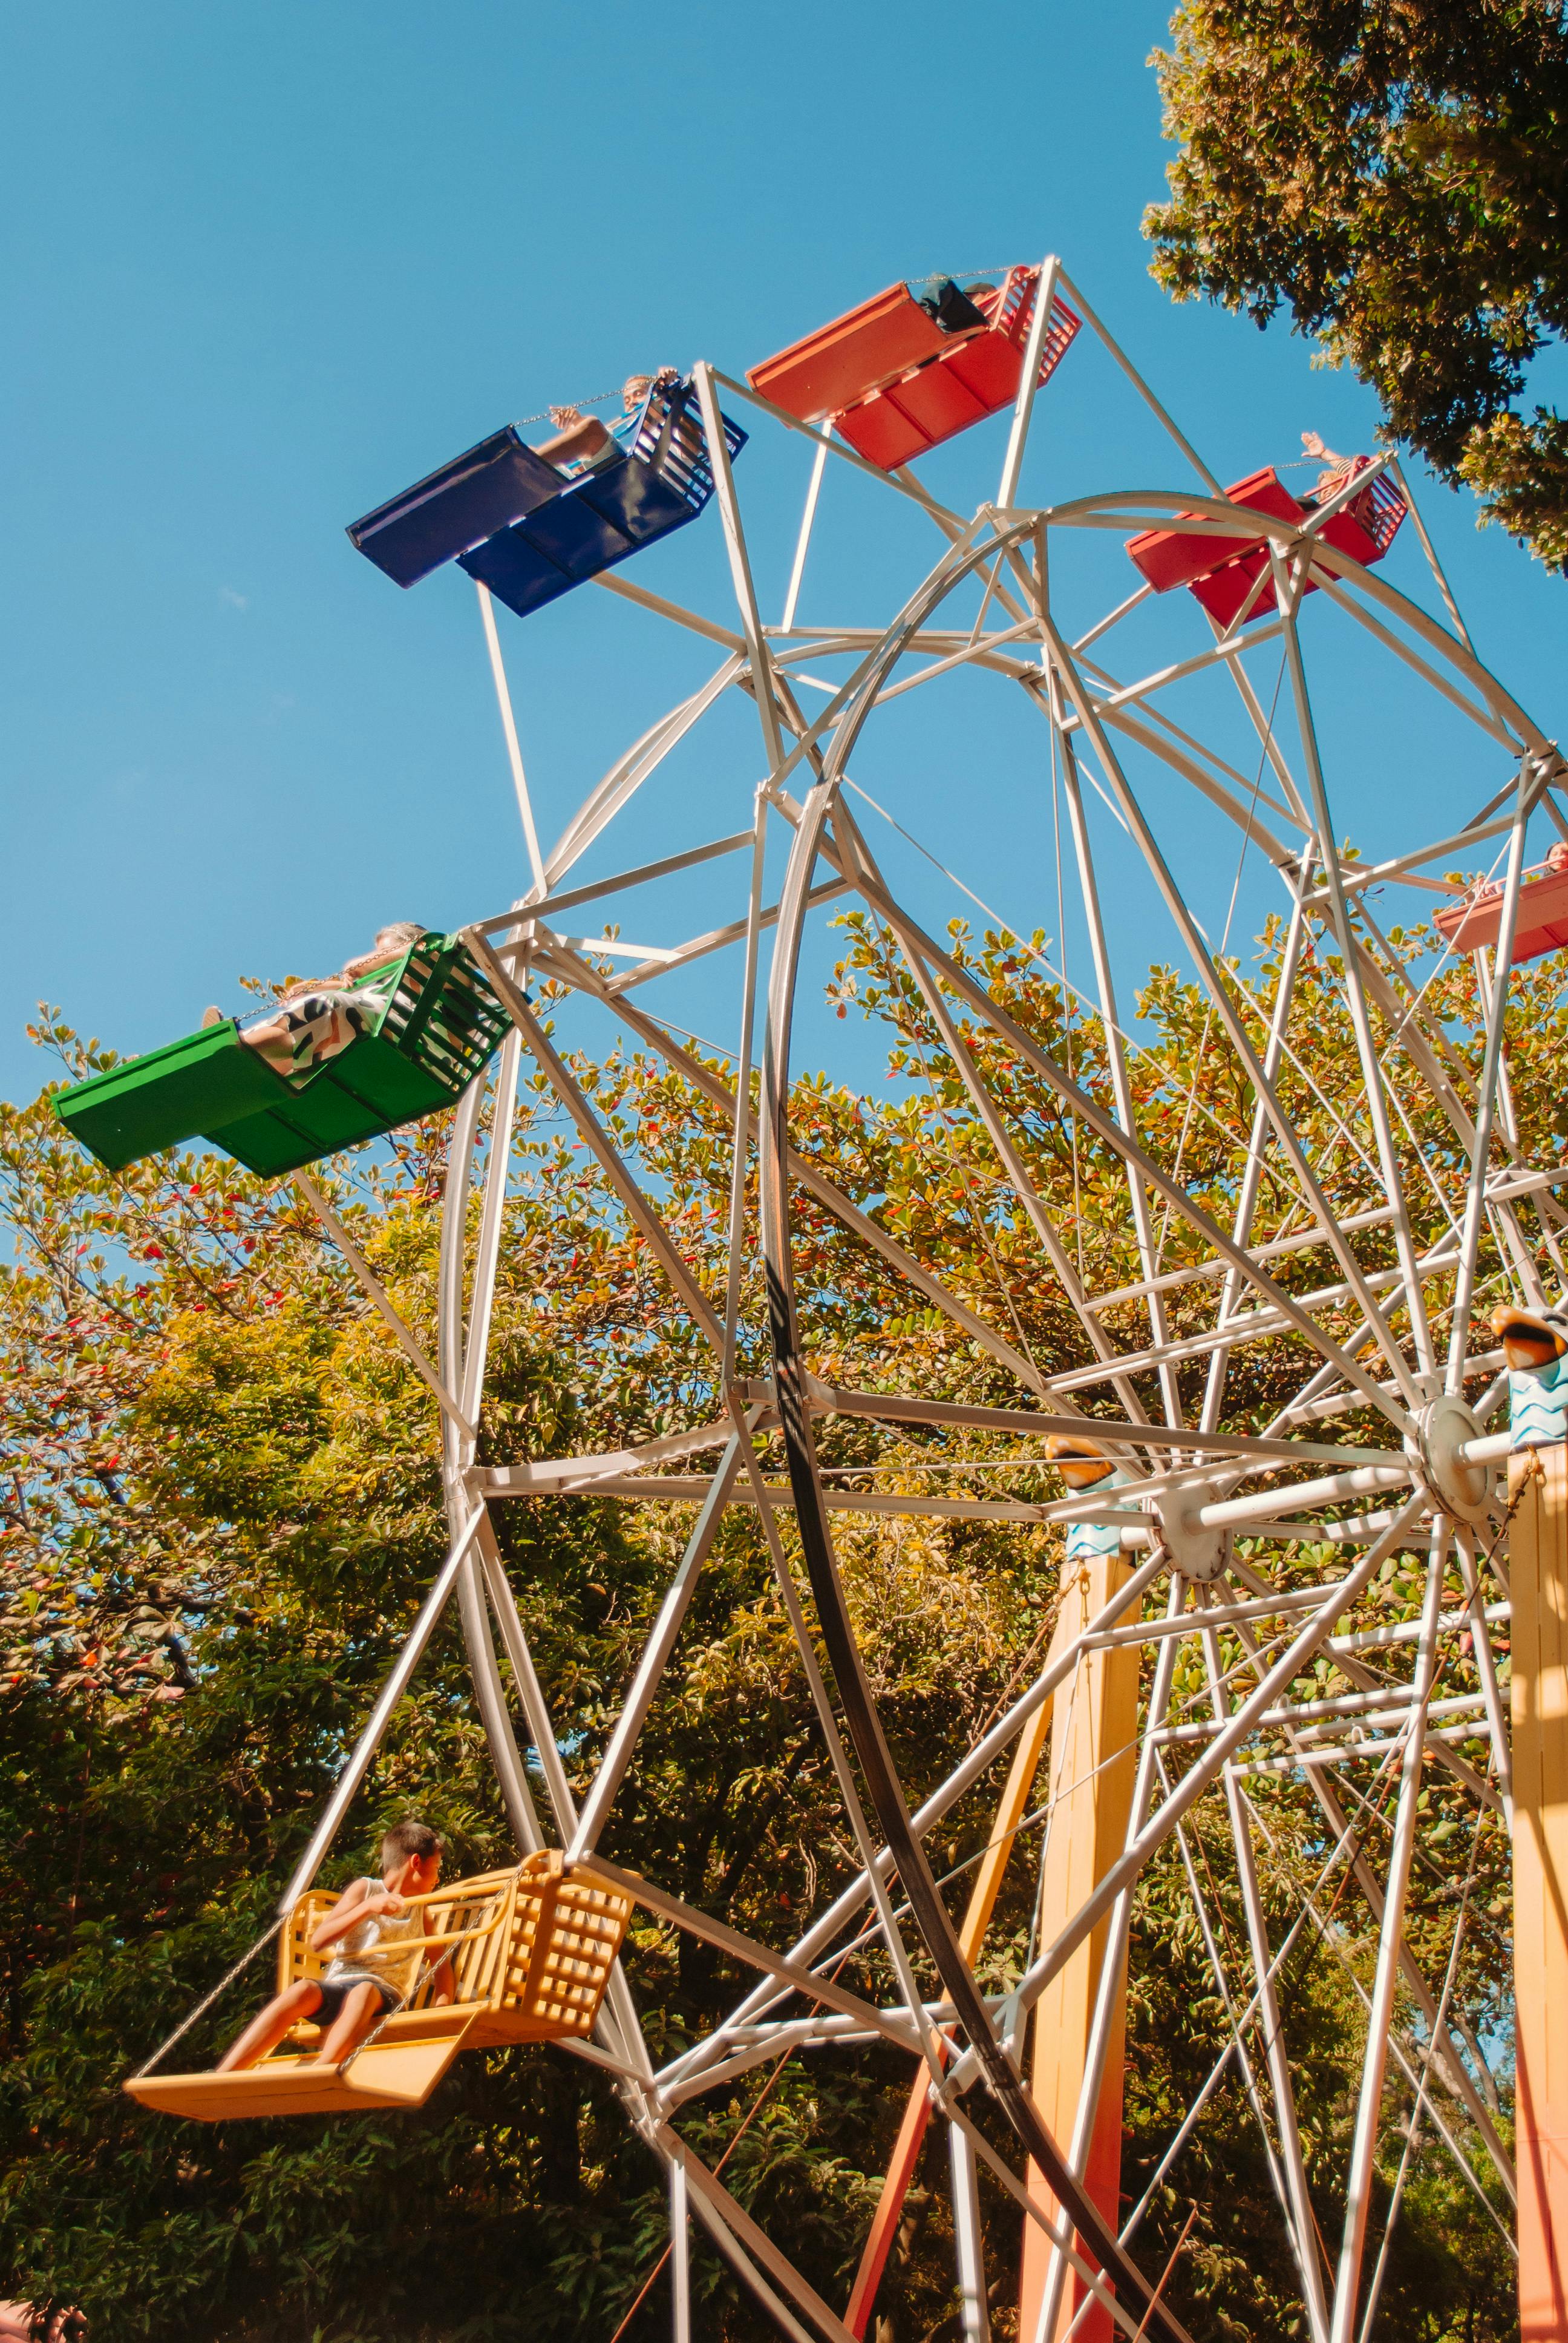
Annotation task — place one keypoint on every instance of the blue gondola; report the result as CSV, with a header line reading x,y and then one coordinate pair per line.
x,y
531,532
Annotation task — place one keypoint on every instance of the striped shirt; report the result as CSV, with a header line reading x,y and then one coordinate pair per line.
x,y
1538,1406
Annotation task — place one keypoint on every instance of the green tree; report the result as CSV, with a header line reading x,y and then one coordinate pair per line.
x,y
1392,172
222,1507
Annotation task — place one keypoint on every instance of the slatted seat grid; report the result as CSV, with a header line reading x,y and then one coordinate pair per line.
x,y
563,1950
1387,506
685,465
445,1012
539,1946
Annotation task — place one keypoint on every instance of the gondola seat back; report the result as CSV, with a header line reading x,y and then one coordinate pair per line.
x,y
825,371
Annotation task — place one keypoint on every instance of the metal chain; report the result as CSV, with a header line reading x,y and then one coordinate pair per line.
x,y
203,2007
597,400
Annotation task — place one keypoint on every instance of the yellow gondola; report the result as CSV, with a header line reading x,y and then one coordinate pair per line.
x,y
529,1950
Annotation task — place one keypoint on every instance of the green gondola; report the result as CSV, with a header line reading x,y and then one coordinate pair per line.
x,y
431,1024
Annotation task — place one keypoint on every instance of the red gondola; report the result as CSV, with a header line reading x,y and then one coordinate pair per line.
x,y
1542,921
907,370
1222,571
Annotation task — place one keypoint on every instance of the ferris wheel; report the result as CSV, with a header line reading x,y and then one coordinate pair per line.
x,y
1238,1320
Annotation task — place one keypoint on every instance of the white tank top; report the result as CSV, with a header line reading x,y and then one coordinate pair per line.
x,y
377,1948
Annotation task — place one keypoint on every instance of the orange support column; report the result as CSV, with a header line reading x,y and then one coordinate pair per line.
x,y
1538,1569
1093,1763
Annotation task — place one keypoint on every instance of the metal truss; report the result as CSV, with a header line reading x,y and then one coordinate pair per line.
x,y
1368,1209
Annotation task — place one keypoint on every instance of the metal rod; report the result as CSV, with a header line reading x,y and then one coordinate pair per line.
x,y
508,727
567,1089
814,489
679,2255
1485,1105
1361,1023
387,1700
974,2299
1380,2014
407,1340
1130,370
740,1120
486,1258
656,1653
1303,2227
1028,383
1115,1047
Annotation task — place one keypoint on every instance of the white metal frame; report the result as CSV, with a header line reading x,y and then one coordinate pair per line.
x,y
1364,1339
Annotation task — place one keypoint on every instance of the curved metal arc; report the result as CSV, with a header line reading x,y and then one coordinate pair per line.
x,y
1114,1137
1226,1009
882,1784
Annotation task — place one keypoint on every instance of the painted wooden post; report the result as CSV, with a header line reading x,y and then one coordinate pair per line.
x,y
1535,1344
1538,1569
1093,1763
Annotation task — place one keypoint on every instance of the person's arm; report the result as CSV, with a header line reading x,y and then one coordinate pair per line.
x,y
355,1903
578,436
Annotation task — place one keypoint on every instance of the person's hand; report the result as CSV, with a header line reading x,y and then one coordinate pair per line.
x,y
1312,442
563,417
383,1904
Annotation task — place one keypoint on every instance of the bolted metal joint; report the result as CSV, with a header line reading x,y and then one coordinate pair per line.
x,y
1195,1550
1437,1433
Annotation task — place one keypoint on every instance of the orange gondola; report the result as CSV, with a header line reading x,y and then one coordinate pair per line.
x,y
1227,574
531,1953
1476,918
913,367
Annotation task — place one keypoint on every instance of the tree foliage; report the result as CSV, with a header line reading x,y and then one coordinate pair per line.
x,y
223,1507
1393,173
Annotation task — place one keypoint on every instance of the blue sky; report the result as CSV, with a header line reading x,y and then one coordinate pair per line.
x,y
266,266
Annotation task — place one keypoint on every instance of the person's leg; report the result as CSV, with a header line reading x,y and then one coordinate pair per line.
x,y
363,2009
268,2027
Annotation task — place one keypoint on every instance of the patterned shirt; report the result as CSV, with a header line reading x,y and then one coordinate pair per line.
x,y
1538,1405
1086,1540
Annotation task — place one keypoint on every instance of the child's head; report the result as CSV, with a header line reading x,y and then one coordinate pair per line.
x,y
1531,1339
636,387
398,936
410,1843
1080,1461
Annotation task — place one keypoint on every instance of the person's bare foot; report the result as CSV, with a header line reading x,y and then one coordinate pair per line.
x,y
213,1016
